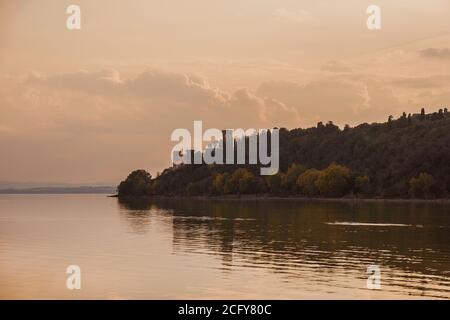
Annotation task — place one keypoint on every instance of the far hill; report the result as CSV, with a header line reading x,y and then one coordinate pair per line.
x,y
61,190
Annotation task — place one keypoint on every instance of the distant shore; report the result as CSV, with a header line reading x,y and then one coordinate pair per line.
x,y
61,190
284,199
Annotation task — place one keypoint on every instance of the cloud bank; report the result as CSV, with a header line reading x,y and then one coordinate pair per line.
x,y
100,124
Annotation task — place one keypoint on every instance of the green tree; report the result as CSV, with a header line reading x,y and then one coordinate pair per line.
x,y
191,189
420,186
307,182
261,185
389,155
232,183
274,183
289,180
199,188
247,183
362,184
218,183
334,181
138,183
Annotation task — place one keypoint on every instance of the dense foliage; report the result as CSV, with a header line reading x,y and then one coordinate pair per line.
x,y
406,157
138,183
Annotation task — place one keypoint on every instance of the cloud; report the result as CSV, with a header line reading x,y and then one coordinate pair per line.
x,y
336,66
321,100
299,16
171,87
102,82
172,98
80,119
271,111
431,82
349,98
435,53
106,101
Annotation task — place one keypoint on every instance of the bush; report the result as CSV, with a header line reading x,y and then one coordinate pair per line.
x,y
307,182
334,181
420,187
362,184
138,183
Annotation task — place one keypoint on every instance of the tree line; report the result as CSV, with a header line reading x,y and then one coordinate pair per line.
x,y
404,157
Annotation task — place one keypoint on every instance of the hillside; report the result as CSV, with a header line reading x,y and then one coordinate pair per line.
x,y
404,157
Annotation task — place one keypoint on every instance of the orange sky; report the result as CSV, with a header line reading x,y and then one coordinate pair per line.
x,y
93,104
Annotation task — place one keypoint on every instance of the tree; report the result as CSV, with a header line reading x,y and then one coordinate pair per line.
x,y
362,184
390,118
289,180
247,183
274,183
334,181
218,183
388,155
421,186
307,182
232,183
138,183
199,188
261,185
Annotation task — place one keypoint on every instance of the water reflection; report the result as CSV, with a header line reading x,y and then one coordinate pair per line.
x,y
320,243
136,212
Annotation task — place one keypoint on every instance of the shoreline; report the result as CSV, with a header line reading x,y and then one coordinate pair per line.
x,y
283,199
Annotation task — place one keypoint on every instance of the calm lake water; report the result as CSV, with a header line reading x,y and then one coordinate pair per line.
x,y
221,249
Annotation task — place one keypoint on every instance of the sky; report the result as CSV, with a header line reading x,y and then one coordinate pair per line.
x,y
90,105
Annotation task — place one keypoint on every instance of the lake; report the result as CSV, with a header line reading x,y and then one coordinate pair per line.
x,y
195,249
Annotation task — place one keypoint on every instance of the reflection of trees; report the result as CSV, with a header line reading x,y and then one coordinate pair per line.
x,y
136,211
287,237
135,203
279,233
